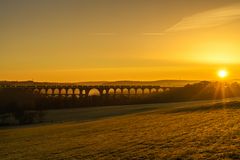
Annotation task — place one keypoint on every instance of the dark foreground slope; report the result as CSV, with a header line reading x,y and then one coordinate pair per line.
x,y
184,131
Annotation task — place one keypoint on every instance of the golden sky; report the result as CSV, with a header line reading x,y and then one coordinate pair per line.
x,y
90,40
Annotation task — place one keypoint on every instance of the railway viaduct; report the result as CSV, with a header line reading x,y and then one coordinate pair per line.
x,y
90,90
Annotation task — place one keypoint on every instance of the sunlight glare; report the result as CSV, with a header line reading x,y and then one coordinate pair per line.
x,y
222,73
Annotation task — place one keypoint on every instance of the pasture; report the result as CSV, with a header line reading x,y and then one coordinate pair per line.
x,y
189,130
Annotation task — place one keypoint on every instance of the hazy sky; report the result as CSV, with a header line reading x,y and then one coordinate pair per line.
x,y
86,40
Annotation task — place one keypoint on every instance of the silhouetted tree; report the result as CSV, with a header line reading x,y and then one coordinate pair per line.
x,y
20,104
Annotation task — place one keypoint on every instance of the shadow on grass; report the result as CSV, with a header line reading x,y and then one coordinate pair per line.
x,y
205,108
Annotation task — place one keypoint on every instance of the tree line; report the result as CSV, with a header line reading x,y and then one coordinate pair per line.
x,y
18,106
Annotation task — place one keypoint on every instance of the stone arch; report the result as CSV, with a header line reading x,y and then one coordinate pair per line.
x,y
167,89
153,90
125,91
84,92
139,91
118,91
160,90
104,92
132,91
70,91
63,91
146,91
94,92
43,91
49,91
111,91
77,91
56,91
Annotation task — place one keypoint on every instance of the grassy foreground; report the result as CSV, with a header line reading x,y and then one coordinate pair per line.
x,y
183,132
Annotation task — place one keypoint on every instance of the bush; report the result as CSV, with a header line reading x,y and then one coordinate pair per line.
x,y
20,104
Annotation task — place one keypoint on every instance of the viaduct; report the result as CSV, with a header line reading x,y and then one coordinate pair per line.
x,y
90,90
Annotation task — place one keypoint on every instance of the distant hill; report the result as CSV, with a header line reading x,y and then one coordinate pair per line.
x,y
167,83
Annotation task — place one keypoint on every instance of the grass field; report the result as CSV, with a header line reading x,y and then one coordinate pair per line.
x,y
193,130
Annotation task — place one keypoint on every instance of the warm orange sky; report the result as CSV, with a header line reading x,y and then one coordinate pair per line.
x,y
90,40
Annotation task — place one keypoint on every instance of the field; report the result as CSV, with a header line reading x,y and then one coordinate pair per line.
x,y
192,130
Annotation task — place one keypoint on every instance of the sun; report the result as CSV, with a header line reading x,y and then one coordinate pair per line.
x,y
222,73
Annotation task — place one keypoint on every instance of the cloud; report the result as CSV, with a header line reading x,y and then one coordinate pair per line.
x,y
153,33
104,34
207,19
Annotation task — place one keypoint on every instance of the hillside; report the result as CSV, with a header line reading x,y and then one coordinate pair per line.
x,y
200,130
168,83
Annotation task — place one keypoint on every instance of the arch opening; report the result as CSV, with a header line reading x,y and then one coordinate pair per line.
x,y
139,91
43,91
56,91
132,91
118,91
94,92
77,91
111,91
70,91
84,92
146,91
63,91
125,91
49,91
167,89
160,90
153,90
104,92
